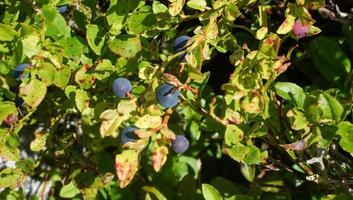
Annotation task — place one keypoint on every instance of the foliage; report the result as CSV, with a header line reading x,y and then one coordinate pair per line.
x,y
104,92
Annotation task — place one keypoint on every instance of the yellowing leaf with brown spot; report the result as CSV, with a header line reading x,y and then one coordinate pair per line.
x,y
159,157
33,93
126,165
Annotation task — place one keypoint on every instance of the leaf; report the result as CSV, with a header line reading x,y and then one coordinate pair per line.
x,y
159,156
12,178
291,92
126,165
345,130
153,190
125,107
55,23
62,77
197,4
34,92
7,33
287,25
297,119
142,21
9,153
238,151
125,45
210,193
322,107
261,33
26,165
253,155
175,7
95,38
40,140
69,191
158,7
110,122
248,171
233,135
82,100
231,11
31,45
330,60
7,108
149,121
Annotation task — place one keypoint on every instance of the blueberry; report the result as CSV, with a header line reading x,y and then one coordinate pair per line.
x,y
180,144
62,9
121,87
19,101
167,95
179,45
128,135
18,72
180,42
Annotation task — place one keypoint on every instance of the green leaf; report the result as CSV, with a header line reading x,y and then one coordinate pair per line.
x,y
233,134
9,153
210,193
141,21
31,45
7,33
62,77
26,165
55,23
158,7
345,130
238,151
95,38
46,73
253,156
69,191
197,4
226,187
34,92
126,46
291,92
297,119
12,178
155,191
7,108
40,140
248,171
322,107
330,60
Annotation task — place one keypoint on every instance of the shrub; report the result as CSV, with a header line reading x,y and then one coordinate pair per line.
x,y
254,97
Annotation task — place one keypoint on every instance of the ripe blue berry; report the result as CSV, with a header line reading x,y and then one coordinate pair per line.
x,y
180,42
62,9
179,45
18,72
128,135
167,95
121,87
180,144
19,101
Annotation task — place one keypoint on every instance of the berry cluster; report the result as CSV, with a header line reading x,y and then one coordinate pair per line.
x,y
167,96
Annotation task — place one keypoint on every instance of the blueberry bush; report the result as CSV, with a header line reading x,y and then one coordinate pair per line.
x,y
176,99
